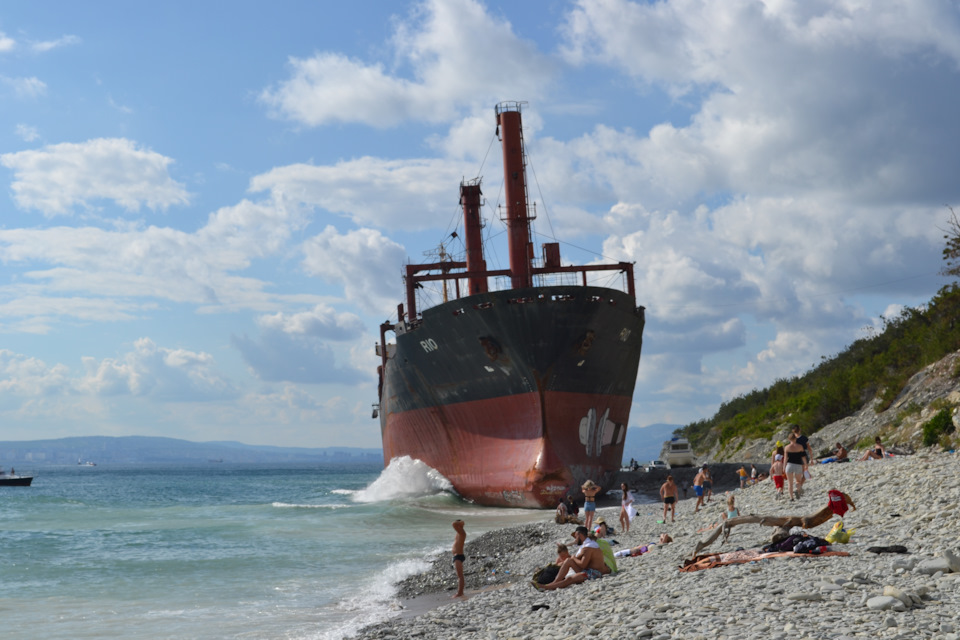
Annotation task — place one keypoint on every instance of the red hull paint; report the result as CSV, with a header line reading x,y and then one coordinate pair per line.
x,y
518,451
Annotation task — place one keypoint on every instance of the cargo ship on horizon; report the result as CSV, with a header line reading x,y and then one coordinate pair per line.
x,y
517,395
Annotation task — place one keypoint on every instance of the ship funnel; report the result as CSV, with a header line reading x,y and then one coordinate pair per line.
x,y
515,189
470,200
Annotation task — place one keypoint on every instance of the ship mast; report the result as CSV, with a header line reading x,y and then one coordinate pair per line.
x,y
470,199
518,217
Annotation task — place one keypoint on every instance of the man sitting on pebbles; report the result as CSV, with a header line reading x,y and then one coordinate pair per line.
x,y
587,564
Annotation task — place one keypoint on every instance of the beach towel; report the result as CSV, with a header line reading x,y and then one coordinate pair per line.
x,y
713,560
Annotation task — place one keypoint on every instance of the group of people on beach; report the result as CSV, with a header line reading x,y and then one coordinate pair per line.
x,y
594,557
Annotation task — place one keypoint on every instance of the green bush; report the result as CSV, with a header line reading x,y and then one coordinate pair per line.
x,y
937,425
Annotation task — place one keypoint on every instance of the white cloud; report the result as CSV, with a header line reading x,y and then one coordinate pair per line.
x,y
6,43
25,87
48,45
367,265
29,377
97,274
159,372
322,321
26,132
280,356
59,177
393,194
457,55
848,101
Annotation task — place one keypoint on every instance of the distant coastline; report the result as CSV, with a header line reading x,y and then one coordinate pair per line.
x,y
146,450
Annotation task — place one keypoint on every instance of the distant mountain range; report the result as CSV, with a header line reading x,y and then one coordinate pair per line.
x,y
142,449
643,444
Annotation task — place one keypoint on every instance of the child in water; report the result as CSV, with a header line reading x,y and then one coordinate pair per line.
x,y
458,557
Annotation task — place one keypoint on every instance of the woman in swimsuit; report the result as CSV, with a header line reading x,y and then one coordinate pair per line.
x,y
877,453
590,491
796,464
626,507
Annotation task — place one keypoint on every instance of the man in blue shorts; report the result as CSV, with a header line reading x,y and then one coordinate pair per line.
x,y
698,488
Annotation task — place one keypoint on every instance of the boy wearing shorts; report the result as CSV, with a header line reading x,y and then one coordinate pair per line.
x,y
668,491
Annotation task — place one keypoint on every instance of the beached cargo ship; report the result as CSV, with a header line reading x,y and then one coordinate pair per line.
x,y
516,395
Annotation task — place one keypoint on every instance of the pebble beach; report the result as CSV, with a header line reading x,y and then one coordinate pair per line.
x,y
912,501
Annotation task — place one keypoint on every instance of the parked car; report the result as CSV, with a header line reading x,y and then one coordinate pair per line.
x,y
656,464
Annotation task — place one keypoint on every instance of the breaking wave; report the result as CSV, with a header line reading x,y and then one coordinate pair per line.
x,y
404,477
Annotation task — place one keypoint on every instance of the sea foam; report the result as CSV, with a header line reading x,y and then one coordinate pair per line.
x,y
404,477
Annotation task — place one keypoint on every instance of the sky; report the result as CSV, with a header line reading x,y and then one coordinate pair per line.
x,y
206,207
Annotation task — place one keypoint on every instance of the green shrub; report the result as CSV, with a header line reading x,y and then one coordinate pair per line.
x,y
938,425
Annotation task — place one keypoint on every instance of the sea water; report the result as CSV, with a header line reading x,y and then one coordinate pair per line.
x,y
220,550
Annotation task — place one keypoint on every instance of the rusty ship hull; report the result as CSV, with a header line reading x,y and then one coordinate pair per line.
x,y
516,397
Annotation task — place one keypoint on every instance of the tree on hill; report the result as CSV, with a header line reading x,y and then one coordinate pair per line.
x,y
951,251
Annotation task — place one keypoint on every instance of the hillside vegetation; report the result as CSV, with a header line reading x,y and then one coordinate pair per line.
x,y
877,367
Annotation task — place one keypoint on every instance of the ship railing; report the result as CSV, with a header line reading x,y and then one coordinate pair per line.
x,y
455,272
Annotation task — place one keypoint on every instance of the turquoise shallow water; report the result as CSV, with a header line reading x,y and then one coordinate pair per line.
x,y
220,550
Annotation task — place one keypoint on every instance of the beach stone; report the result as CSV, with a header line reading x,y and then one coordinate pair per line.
x,y
883,603
953,561
813,597
933,565
898,594
889,621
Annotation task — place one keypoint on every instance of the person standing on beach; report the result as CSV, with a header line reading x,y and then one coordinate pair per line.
x,y
776,471
707,483
590,491
626,507
754,476
698,489
742,472
668,492
804,442
459,538
796,464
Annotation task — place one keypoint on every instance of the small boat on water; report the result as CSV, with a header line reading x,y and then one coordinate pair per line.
x,y
11,479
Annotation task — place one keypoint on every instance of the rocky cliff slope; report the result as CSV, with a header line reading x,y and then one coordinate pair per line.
x,y
900,426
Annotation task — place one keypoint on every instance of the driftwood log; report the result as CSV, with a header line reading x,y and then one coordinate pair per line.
x,y
783,524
